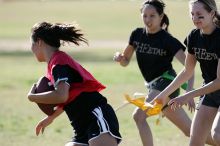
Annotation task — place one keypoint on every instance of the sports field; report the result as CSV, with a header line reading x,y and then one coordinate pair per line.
x,y
107,25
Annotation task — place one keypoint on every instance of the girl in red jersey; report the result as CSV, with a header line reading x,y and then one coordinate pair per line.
x,y
203,44
76,90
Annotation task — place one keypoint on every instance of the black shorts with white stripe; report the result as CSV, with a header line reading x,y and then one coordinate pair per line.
x,y
211,99
90,116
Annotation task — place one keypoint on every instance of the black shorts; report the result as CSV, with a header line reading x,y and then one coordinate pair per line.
x,y
161,83
90,116
211,99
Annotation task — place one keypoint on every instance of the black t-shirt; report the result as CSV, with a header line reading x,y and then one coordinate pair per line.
x,y
206,49
154,52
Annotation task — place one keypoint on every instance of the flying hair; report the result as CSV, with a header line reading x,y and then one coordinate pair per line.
x,y
53,34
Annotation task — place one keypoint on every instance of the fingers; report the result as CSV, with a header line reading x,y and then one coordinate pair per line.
x,y
174,104
191,106
42,130
31,91
170,102
117,57
33,88
38,129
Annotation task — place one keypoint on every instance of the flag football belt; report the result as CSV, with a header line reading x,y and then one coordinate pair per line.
x,y
167,76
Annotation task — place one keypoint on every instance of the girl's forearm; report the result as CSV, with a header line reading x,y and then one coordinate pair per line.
x,y
176,83
208,88
57,112
191,83
50,97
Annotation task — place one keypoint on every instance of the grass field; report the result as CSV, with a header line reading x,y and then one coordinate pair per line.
x,y
101,21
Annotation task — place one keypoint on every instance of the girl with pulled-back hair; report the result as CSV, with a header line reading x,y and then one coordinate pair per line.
x,y
76,90
155,49
203,45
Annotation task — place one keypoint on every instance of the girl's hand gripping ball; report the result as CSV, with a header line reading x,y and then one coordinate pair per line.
x,y
44,86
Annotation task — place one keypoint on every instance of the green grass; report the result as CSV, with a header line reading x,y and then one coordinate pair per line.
x,y
98,19
106,19
19,116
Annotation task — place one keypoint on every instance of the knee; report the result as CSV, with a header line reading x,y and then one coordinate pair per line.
x,y
216,137
139,116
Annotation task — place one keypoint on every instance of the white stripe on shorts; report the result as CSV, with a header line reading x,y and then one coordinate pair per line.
x,y
101,120
103,124
200,102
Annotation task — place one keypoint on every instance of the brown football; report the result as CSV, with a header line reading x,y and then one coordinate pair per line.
x,y
44,86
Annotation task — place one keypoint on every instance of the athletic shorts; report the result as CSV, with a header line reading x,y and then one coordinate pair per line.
x,y
91,115
211,100
161,83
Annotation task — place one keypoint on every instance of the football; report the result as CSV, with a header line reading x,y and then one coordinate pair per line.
x,y
43,85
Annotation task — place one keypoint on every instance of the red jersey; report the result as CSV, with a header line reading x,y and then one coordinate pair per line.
x,y
89,83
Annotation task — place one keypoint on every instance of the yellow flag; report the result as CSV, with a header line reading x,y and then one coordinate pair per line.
x,y
140,102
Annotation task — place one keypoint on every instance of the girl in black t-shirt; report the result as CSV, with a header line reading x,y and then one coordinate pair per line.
x,y
203,46
155,49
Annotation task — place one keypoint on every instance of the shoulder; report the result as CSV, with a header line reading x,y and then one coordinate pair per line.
x,y
166,34
194,32
60,57
217,32
138,30
168,37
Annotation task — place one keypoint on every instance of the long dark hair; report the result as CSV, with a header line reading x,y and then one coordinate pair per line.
x,y
52,34
210,5
159,6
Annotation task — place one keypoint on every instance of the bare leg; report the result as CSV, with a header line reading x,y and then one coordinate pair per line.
x,y
201,126
209,139
216,129
104,139
179,118
142,125
183,122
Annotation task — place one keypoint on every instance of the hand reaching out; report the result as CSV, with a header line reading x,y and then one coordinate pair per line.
x,y
180,101
43,124
118,57
191,105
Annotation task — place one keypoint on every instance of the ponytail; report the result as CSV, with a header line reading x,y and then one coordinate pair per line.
x,y
217,19
52,34
165,22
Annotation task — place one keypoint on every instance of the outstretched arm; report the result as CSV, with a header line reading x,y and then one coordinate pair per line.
x,y
180,55
208,88
182,77
47,121
125,57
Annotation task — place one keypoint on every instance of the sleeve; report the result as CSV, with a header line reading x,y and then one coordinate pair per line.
x,y
132,37
218,43
188,42
65,73
174,45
